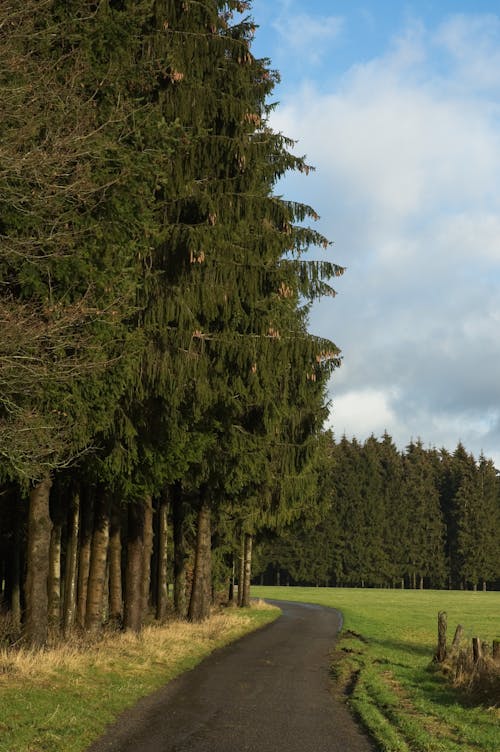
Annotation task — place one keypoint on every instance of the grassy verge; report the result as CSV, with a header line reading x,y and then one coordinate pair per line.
x,y
383,659
62,699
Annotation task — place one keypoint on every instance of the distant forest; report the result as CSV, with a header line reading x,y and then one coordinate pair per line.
x,y
413,519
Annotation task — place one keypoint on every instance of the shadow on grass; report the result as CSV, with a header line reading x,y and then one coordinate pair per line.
x,y
411,648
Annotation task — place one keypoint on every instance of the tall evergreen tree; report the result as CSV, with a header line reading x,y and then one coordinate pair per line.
x,y
476,505
425,557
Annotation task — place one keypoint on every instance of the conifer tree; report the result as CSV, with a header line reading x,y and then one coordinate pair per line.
x,y
163,275
425,555
454,469
231,315
395,510
476,505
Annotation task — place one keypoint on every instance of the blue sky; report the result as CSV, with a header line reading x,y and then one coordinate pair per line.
x,y
398,107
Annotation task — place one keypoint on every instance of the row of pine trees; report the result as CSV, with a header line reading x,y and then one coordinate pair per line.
x,y
161,399
417,518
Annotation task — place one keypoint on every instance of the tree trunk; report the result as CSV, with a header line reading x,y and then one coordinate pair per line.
x,y
87,525
147,553
15,568
135,559
39,529
247,571
180,556
161,580
115,565
241,572
54,586
231,581
98,562
70,575
201,593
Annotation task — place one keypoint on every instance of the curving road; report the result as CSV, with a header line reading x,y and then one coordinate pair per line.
x,y
268,692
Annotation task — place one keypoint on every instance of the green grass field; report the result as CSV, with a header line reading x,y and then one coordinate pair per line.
x,y
383,661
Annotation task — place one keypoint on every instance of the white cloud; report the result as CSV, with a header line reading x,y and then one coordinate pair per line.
x,y
473,43
473,235
408,185
306,35
400,149
361,413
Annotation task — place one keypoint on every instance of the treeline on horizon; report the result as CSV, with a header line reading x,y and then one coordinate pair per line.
x,y
161,399
421,518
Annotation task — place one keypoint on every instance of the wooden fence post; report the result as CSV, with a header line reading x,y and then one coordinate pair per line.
x,y
456,639
476,649
442,626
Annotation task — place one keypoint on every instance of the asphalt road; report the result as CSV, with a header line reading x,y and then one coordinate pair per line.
x,y
268,692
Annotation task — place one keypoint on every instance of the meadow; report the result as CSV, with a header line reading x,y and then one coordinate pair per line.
x,y
382,664
62,698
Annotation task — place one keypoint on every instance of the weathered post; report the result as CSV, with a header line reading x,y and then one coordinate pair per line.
x,y
441,647
477,651
457,639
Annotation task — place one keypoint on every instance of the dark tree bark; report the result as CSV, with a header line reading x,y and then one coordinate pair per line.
x,y
147,553
98,563
247,570
71,570
39,529
162,560
201,593
54,587
115,564
87,525
135,558
231,581
15,567
241,572
180,555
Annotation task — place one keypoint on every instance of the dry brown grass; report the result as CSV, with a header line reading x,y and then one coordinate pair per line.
x,y
480,679
156,644
61,698
262,605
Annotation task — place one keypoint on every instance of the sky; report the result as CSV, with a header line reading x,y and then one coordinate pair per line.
x,y
397,105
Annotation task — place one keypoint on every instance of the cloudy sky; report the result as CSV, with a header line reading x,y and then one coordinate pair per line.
x,y
398,106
